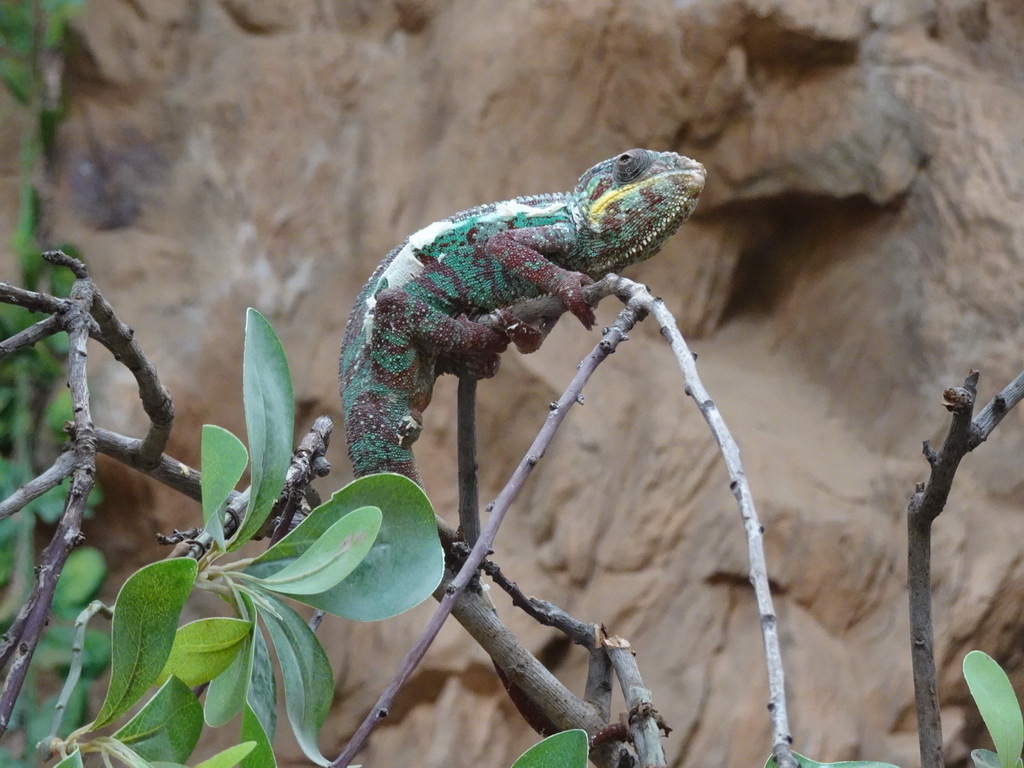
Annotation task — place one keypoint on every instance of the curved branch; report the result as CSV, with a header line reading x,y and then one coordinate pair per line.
x,y
156,401
781,738
171,472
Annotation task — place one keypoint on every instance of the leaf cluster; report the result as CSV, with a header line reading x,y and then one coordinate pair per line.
x,y
369,552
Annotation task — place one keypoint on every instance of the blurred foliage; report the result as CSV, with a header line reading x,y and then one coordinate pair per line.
x,y
34,403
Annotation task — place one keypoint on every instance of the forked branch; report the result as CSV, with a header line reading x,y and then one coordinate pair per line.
x,y
926,504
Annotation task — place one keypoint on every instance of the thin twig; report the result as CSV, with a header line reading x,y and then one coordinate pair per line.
x,y
31,335
74,672
997,408
546,613
469,490
307,463
63,466
781,738
30,300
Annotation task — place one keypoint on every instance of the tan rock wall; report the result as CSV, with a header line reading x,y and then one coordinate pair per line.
x,y
858,248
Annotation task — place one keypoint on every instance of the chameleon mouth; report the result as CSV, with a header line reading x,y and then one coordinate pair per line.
x,y
688,183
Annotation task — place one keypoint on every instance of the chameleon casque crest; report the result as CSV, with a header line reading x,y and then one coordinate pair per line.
x,y
411,321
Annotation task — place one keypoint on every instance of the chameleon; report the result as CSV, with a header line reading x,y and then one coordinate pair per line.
x,y
413,320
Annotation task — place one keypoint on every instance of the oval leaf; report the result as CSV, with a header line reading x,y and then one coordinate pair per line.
x,y
204,649
145,617
567,749
997,704
402,568
330,558
230,756
168,727
269,420
224,459
308,680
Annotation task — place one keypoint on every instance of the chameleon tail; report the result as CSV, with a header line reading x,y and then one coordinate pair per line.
x,y
380,434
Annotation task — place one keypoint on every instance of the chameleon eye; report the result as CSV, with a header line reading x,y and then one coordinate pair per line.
x,y
629,165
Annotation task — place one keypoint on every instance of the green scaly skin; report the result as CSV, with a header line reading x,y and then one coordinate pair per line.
x,y
411,321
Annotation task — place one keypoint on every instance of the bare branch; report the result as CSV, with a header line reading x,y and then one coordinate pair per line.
x,y
75,319
74,672
997,408
645,724
156,401
171,472
543,612
60,259
638,296
103,325
926,504
51,478
31,335
30,300
307,463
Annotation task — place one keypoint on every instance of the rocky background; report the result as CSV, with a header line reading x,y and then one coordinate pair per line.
x,y
858,248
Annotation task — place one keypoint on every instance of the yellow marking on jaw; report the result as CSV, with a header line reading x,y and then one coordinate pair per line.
x,y
609,197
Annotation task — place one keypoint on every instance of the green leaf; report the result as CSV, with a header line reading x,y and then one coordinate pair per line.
x,y
308,680
567,749
79,582
404,565
168,727
261,698
204,649
984,758
230,756
262,755
226,695
330,558
806,762
74,760
269,419
997,704
224,459
145,617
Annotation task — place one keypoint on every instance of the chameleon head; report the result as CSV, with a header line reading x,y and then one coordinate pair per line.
x,y
629,205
